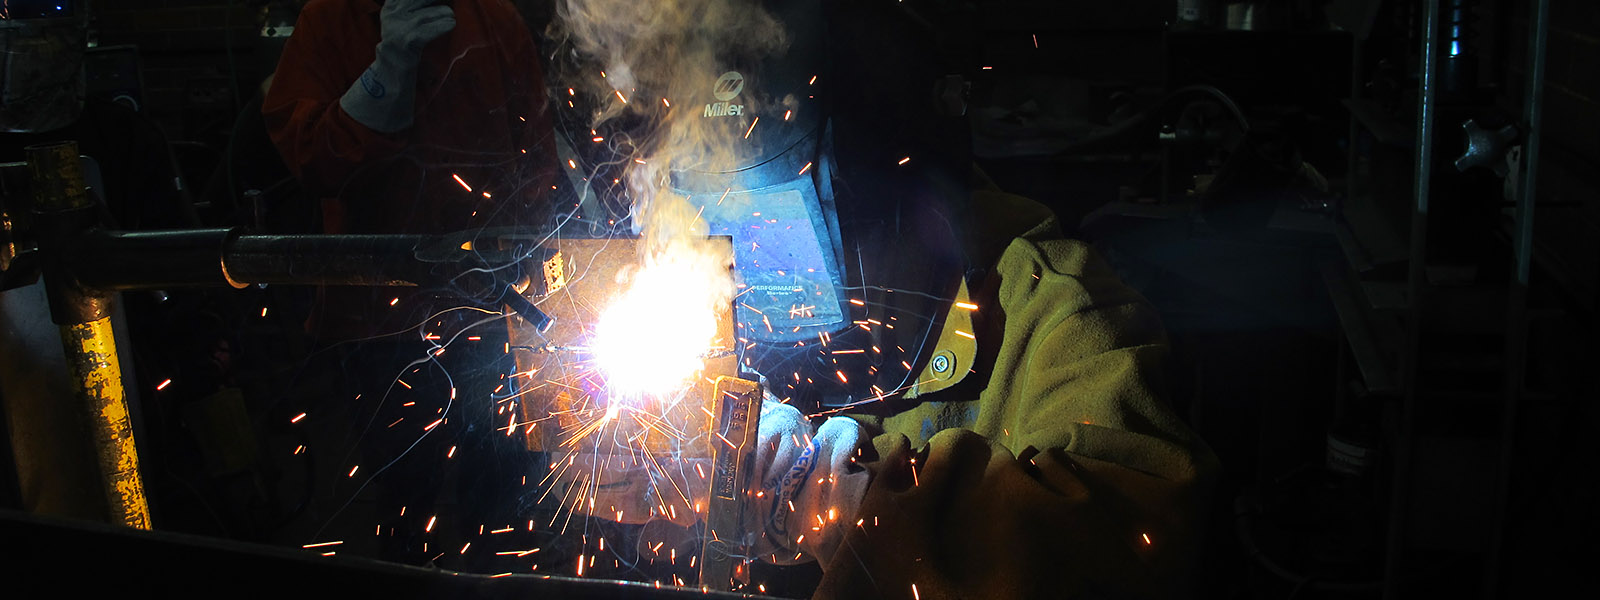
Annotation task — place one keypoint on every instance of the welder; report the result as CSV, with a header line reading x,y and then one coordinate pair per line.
x,y
962,402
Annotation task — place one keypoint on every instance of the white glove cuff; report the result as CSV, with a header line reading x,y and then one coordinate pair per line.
x,y
384,97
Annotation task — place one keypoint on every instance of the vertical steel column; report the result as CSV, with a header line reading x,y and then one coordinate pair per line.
x,y
1517,310
64,210
1400,492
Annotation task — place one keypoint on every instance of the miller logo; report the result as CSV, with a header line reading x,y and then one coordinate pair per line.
x,y
727,88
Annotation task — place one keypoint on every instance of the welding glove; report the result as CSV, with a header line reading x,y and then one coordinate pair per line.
x,y
384,97
807,488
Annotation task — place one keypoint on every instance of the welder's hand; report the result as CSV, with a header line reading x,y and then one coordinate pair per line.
x,y
805,489
807,486
384,97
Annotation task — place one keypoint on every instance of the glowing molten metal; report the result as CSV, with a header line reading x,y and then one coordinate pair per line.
x,y
655,336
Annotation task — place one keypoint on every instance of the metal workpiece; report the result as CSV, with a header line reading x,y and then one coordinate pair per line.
x,y
117,260
127,260
93,366
130,260
96,261
724,556
559,361
355,260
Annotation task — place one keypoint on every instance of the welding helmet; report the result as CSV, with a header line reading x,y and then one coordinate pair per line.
x,y
41,78
845,204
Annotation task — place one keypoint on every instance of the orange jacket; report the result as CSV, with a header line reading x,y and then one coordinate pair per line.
x,y
480,117
480,153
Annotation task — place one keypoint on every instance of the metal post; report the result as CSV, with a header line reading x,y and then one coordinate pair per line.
x,y
1400,492
1517,311
64,208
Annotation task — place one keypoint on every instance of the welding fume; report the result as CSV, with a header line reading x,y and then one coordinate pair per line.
x,y
713,295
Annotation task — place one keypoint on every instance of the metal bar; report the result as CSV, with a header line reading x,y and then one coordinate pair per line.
x,y
369,260
1400,496
724,555
116,260
64,209
120,260
1517,311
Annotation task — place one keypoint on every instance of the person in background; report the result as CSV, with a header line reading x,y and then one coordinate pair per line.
x,y
411,116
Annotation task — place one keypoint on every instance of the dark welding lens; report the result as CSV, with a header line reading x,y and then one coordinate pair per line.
x,y
36,9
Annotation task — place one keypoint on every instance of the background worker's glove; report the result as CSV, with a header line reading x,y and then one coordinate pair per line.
x,y
384,97
807,488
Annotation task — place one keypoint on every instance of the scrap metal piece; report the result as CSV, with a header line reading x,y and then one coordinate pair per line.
x,y
724,556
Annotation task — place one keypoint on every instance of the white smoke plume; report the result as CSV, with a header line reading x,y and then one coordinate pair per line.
x,y
650,52
647,59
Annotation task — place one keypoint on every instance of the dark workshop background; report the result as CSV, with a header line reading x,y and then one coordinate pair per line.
x,y
1351,375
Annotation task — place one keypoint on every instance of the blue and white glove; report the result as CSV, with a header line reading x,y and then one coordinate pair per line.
x,y
804,494
384,98
809,487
